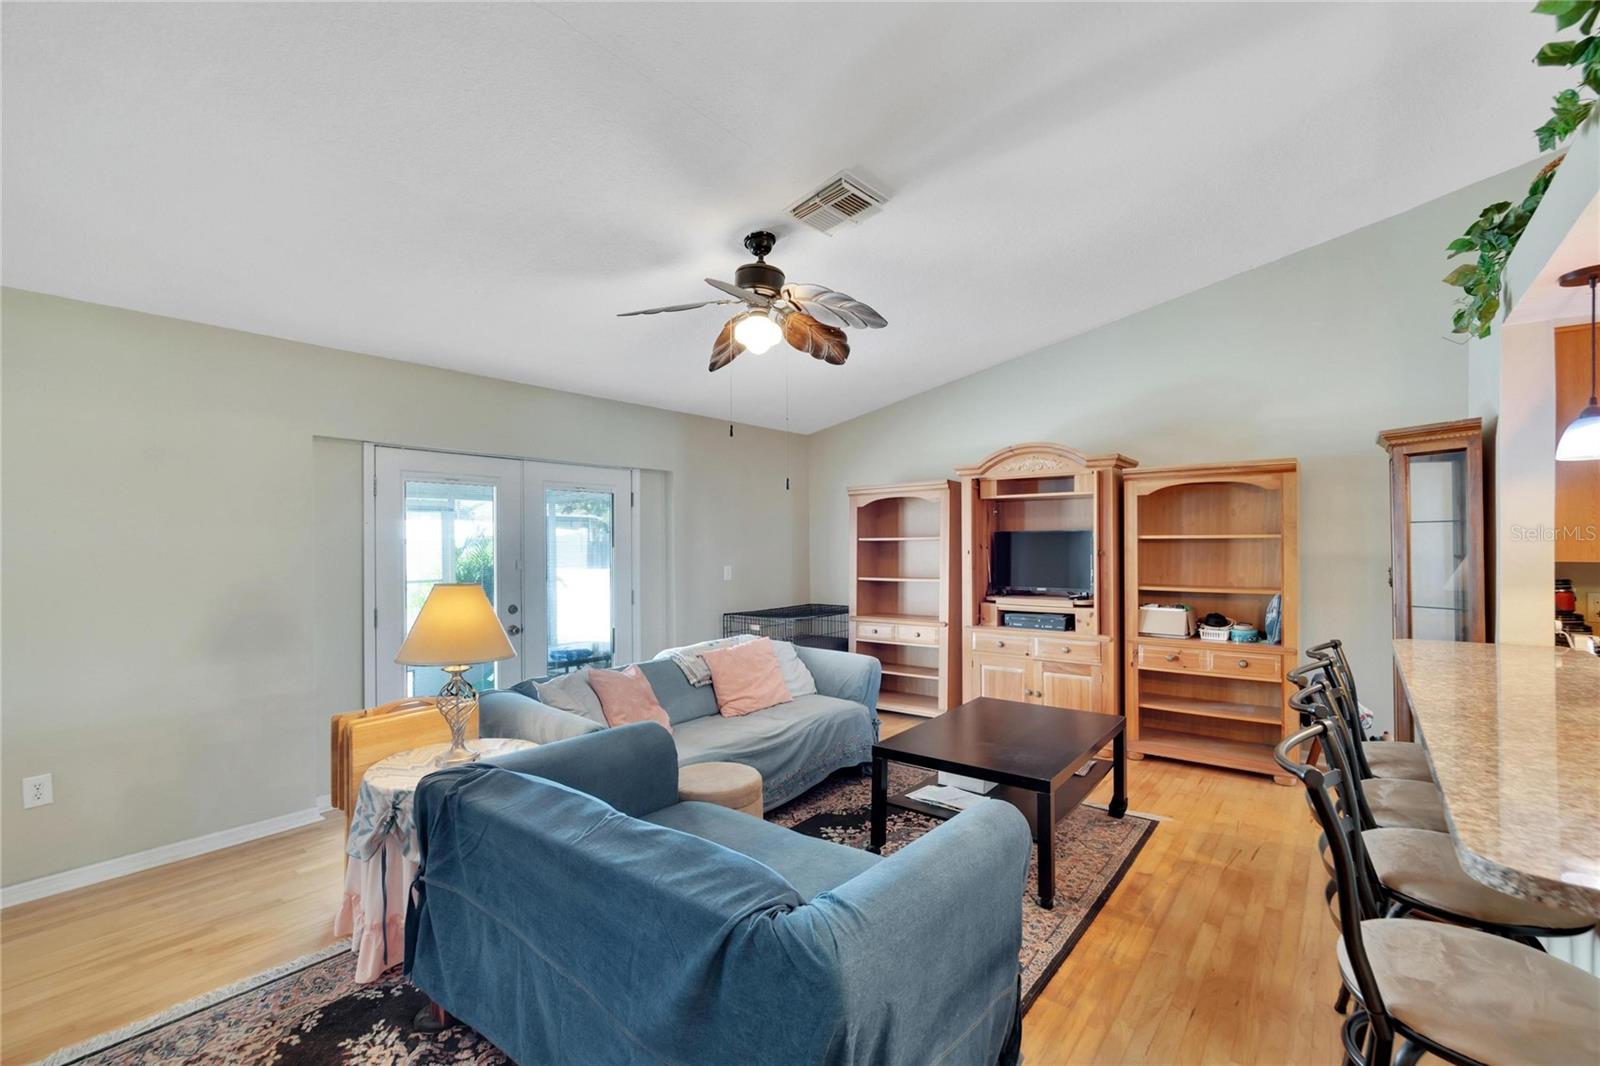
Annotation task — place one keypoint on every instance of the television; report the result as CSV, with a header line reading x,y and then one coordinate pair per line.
x,y
1054,563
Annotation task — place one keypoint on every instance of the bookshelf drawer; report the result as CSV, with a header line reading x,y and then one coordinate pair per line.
x,y
917,634
1161,657
874,631
1087,651
1236,664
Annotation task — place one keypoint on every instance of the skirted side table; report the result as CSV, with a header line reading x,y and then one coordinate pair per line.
x,y
382,856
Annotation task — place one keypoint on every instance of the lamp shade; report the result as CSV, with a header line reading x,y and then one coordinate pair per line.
x,y
457,627
1581,440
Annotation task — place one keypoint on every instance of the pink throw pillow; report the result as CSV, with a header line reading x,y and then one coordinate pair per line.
x,y
746,677
626,696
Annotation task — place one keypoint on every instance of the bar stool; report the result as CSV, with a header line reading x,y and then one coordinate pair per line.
x,y
1389,759
1461,994
1392,803
1417,869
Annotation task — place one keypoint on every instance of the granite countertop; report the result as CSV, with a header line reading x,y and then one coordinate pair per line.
x,y
1513,734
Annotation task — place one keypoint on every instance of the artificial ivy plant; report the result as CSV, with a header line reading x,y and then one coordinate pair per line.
x,y
1499,226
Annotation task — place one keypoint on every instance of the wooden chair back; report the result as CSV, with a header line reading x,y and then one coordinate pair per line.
x,y
361,738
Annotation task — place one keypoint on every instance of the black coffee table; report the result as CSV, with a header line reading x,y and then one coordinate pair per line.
x,y
1033,753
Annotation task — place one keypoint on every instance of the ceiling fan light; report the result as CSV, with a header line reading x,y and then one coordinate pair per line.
x,y
1581,439
757,331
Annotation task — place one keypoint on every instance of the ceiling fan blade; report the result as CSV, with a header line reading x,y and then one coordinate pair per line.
x,y
726,349
676,307
816,339
754,299
832,307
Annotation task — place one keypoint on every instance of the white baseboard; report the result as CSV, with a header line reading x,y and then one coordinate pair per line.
x,y
83,876
324,802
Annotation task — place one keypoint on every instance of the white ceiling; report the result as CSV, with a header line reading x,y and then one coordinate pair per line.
x,y
483,187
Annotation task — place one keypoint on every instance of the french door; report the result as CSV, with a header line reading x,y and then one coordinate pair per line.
x,y
552,546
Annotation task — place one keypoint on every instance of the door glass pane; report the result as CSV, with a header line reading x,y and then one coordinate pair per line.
x,y
1439,546
449,537
578,542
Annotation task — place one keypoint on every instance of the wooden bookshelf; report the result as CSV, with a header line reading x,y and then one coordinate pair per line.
x,y
1220,538
903,592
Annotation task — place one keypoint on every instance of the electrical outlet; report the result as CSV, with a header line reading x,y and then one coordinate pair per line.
x,y
727,573
37,791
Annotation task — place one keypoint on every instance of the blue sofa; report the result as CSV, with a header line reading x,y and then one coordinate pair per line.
x,y
572,910
794,745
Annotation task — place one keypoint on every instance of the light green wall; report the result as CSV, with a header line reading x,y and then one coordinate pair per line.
x,y
181,525
182,555
1307,357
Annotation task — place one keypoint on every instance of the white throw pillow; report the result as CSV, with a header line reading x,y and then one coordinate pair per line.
x,y
796,678
688,658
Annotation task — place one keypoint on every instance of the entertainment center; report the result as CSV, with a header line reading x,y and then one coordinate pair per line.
x,y
1040,541
1078,581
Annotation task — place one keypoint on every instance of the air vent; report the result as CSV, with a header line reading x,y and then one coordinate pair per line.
x,y
843,199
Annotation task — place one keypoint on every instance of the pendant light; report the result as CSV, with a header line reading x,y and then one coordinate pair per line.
x,y
1581,439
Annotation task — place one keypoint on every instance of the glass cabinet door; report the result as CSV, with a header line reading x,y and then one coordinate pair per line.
x,y
1437,534
1440,546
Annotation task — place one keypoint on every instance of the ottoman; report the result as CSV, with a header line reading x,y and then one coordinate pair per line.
x,y
727,784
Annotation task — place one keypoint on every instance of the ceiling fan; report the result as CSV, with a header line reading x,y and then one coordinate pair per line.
x,y
812,318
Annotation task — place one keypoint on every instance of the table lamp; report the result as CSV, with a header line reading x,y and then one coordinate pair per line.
x,y
456,630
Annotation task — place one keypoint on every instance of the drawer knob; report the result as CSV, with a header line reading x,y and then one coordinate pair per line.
x,y
1066,651
1172,658
1243,663
999,643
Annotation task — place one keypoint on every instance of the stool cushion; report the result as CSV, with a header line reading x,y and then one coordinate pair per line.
x,y
1422,865
1480,995
1397,758
1400,804
727,784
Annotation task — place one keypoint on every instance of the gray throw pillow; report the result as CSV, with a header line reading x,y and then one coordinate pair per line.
x,y
796,677
572,692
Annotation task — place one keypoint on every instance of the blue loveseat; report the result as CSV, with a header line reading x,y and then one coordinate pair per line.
x,y
794,745
571,910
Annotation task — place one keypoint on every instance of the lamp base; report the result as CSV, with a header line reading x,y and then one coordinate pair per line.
x,y
457,701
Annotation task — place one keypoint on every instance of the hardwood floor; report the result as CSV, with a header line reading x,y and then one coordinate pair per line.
x,y
1215,948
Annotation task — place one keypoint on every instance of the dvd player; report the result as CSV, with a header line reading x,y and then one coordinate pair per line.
x,y
1038,620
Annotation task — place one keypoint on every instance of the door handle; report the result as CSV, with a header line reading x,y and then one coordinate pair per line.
x,y
513,629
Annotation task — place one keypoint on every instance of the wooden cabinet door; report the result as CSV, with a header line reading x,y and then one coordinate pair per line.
x,y
1075,686
1001,677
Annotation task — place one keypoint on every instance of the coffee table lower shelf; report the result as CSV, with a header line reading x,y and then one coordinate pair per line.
x,y
1068,796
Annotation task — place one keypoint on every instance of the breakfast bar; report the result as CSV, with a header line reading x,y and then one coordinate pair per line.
x,y
1513,736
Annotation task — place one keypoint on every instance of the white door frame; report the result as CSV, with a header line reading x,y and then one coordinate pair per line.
x,y
627,613
619,484
395,467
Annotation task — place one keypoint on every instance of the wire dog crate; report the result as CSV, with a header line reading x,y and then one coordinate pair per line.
x,y
816,625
